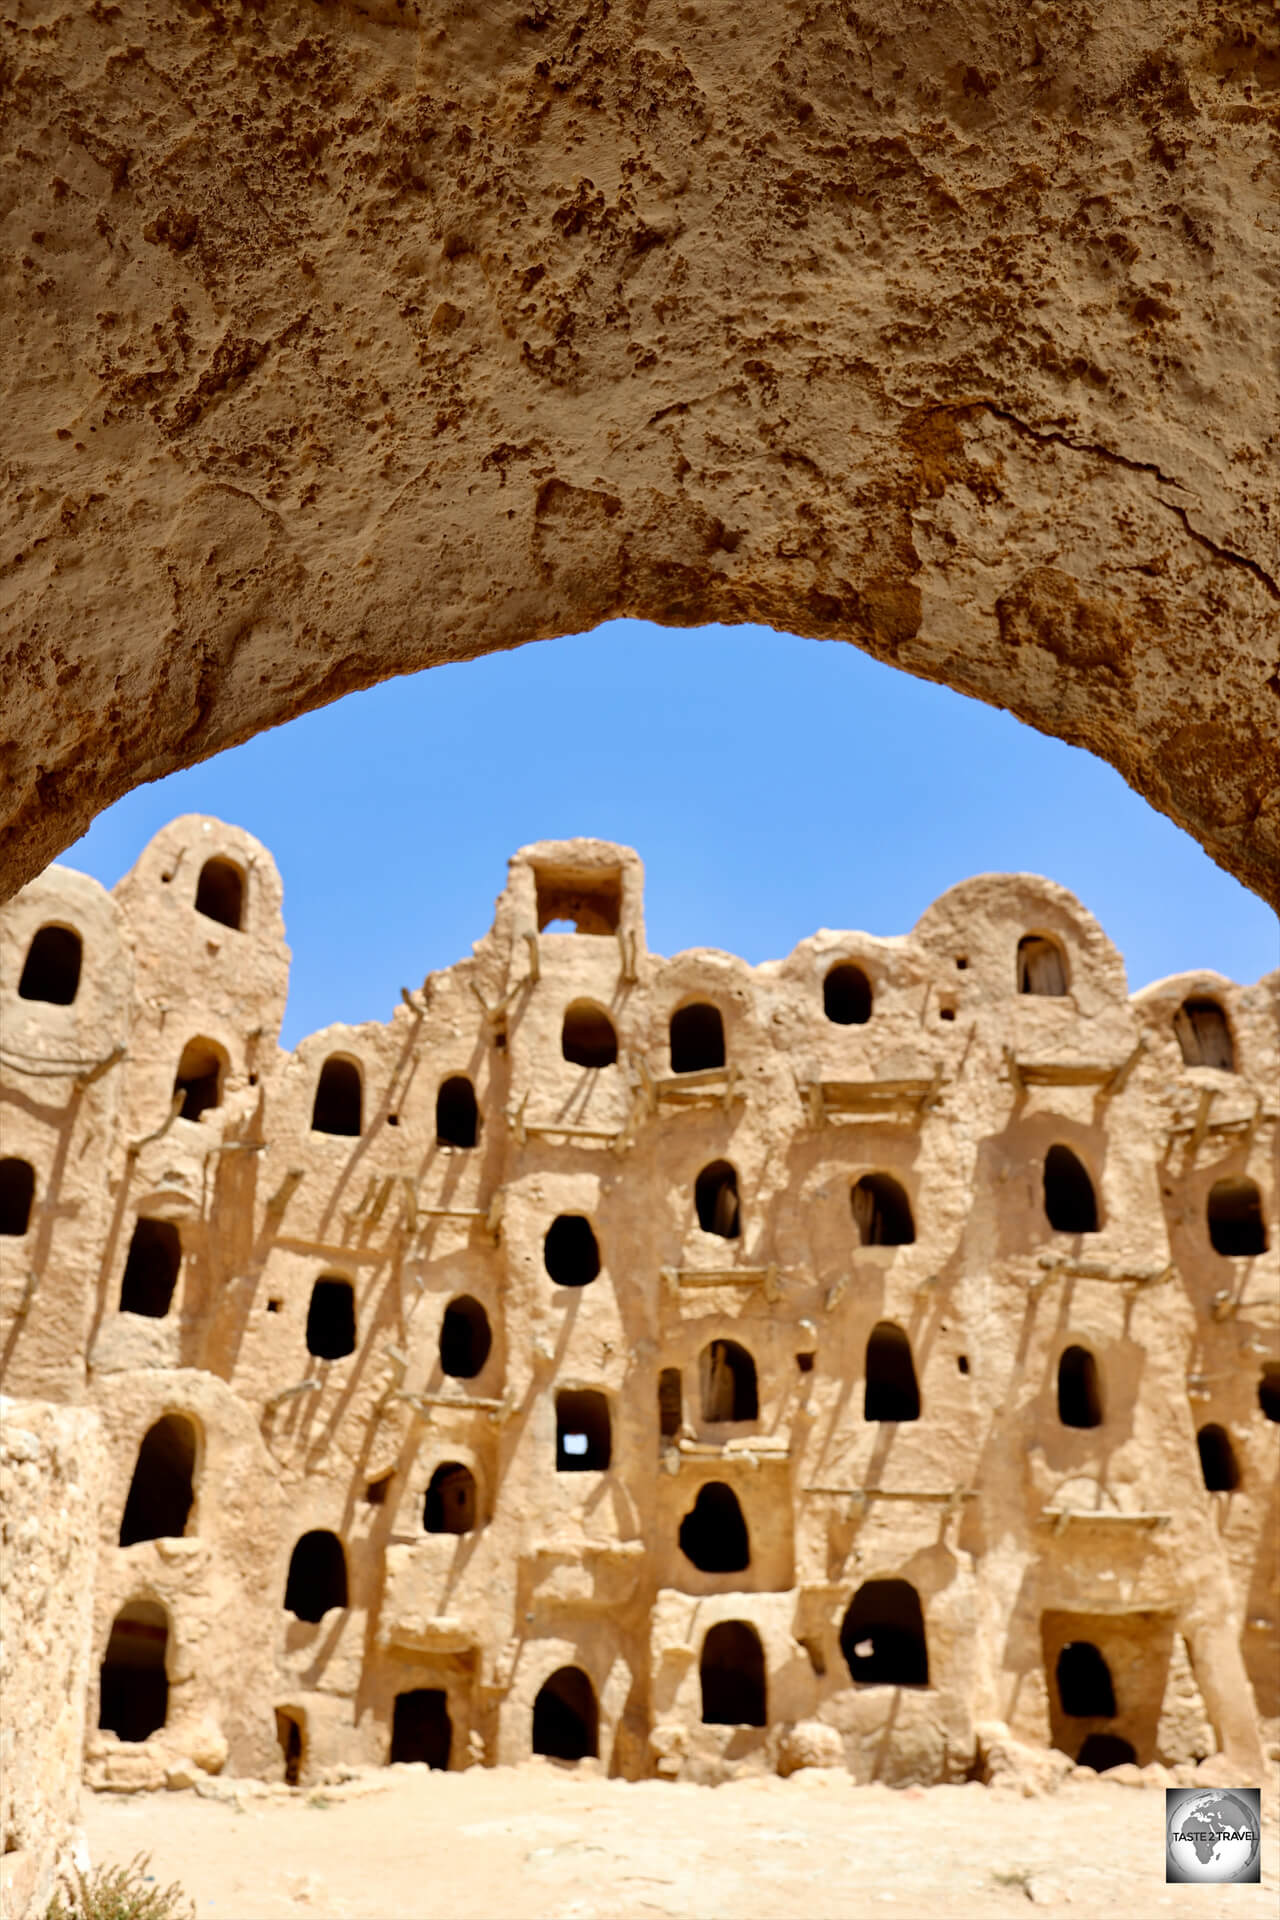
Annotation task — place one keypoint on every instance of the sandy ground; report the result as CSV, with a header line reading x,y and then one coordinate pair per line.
x,y
540,1843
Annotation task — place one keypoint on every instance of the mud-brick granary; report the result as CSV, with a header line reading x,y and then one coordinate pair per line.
x,y
686,1363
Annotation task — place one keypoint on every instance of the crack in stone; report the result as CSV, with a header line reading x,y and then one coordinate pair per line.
x,y
1055,438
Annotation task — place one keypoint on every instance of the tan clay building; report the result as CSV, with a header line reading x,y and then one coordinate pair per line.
x,y
690,1364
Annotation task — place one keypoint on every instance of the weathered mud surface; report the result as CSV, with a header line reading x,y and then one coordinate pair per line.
x,y
343,340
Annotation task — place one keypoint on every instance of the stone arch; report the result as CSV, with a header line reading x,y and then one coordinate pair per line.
x,y
317,1579
17,1193
566,1717
338,1107
882,1211
1070,1201
731,1670
199,1078
51,970
588,1037
220,892
727,1375
145,658
162,1490
882,1636
716,1201
133,1680
697,1038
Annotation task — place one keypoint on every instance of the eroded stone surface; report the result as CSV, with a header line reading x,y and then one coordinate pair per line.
x,y
366,1326
347,339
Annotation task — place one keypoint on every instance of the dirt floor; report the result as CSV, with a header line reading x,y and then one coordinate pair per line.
x,y
541,1843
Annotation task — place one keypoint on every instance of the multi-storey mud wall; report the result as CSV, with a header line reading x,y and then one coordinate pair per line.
x,y
354,338
644,1356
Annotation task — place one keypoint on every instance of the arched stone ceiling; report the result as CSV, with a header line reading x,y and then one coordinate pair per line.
x,y
346,339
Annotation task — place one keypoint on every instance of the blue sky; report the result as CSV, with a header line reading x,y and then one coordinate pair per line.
x,y
771,785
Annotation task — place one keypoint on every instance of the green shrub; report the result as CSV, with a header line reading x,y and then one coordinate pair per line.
x,y
121,1893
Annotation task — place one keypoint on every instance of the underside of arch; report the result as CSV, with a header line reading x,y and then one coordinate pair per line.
x,y
348,340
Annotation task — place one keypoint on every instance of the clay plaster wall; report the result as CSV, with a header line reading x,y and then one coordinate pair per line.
x,y
1017,1534
51,1483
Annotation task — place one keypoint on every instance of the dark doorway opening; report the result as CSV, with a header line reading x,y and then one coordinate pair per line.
x,y
331,1319
339,1101
733,1679
317,1576
1104,1750
151,1269
697,1038
728,1377
670,1403
587,1038
1084,1683
892,1391
457,1115
715,1195
1070,1204
162,1491
589,903
882,1637
882,1212
570,1252
421,1728
1204,1036
1269,1390
1236,1226
1041,966
450,1505
584,1442
220,893
1218,1461
199,1078
1079,1388
846,995
51,971
465,1338
713,1534
17,1191
133,1686
566,1720
291,1735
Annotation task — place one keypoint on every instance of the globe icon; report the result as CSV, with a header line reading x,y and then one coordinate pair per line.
x,y
1214,1837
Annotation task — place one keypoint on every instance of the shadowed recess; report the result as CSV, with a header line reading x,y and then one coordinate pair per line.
x,y
51,971
162,1491
133,1686
732,1674
566,1720
882,1636
713,1534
